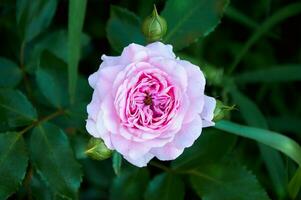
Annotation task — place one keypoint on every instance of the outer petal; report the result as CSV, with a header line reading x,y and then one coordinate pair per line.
x,y
142,161
208,111
102,132
109,116
161,50
167,152
129,149
109,61
133,53
195,89
189,133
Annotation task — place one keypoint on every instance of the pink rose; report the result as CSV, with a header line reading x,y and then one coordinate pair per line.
x,y
148,103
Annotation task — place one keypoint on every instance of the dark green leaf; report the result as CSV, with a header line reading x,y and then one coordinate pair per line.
x,y
274,74
272,159
77,9
13,162
226,181
116,162
191,19
10,73
15,109
39,189
33,17
295,184
205,149
130,185
54,160
123,28
272,139
53,85
165,187
277,17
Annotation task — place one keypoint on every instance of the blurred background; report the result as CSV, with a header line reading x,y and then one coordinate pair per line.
x,y
251,60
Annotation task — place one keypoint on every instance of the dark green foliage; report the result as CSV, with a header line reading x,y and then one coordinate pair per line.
x,y
13,162
165,186
123,28
15,109
10,73
54,160
130,185
249,51
223,181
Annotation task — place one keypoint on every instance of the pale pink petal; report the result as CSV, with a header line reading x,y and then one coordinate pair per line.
x,y
102,132
175,71
161,50
109,116
109,61
130,149
91,128
167,152
93,78
208,111
93,107
133,53
140,162
188,133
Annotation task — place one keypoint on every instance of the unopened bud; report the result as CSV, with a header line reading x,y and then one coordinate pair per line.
x,y
221,110
97,150
154,27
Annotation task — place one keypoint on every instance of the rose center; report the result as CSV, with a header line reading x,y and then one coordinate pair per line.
x,y
148,100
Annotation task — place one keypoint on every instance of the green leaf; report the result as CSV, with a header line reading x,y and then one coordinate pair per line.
x,y
77,9
13,163
165,186
191,19
53,85
204,149
130,185
33,17
272,139
39,189
240,17
226,181
123,28
10,73
295,184
272,159
54,160
277,17
283,73
15,109
116,162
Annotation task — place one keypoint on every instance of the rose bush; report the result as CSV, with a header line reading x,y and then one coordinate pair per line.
x,y
148,103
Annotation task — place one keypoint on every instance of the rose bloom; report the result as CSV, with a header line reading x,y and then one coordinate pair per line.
x,y
148,103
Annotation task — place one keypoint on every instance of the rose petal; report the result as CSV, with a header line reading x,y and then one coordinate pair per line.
x,y
133,53
130,149
161,50
140,162
188,133
208,111
167,152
